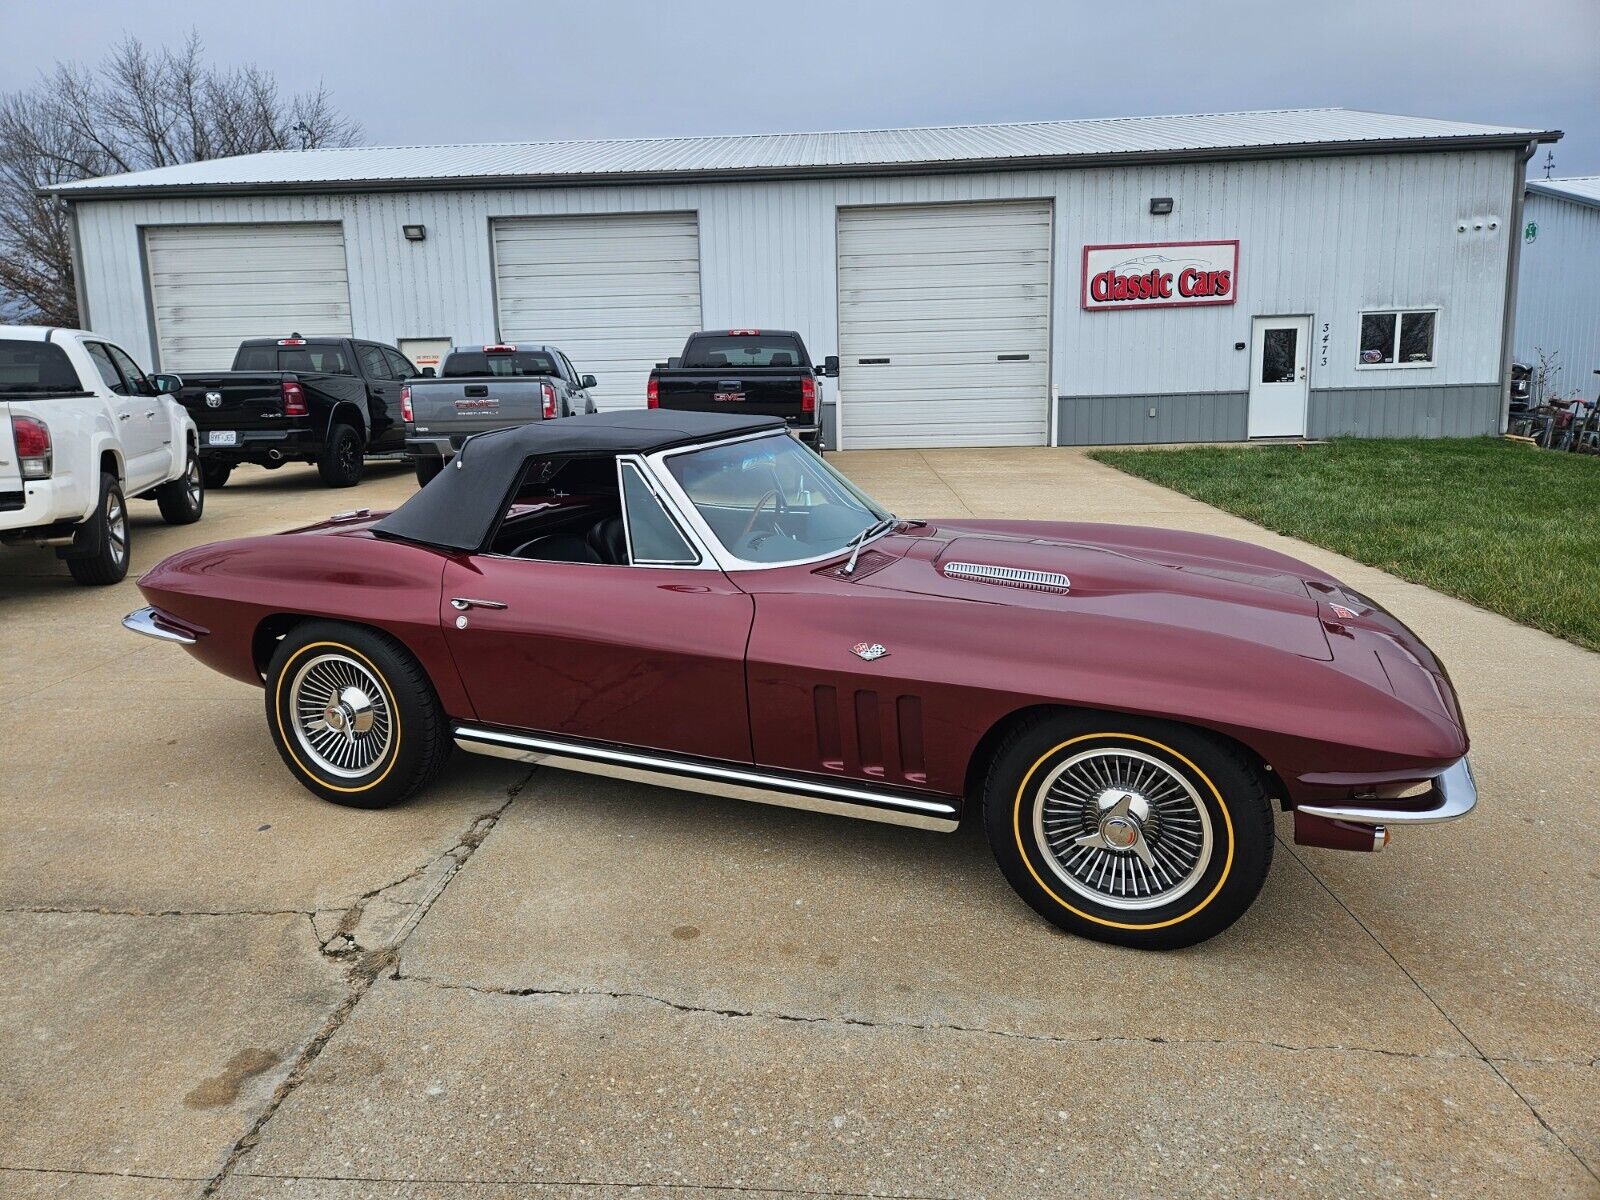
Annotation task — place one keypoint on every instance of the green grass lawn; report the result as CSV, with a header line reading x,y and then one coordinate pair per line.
x,y
1502,525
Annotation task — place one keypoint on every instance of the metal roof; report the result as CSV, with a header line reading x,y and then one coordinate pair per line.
x,y
864,152
1583,189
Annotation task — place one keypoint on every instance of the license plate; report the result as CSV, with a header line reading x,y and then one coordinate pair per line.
x,y
223,437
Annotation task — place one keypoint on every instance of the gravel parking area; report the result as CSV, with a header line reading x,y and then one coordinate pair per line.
x,y
528,983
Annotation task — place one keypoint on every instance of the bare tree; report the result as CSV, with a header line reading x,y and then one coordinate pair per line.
x,y
141,108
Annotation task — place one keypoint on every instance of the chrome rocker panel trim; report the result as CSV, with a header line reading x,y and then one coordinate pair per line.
x,y
695,775
1454,795
143,620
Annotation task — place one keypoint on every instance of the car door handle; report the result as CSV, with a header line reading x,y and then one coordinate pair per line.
x,y
462,603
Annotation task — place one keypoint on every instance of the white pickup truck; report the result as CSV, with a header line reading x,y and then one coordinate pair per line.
x,y
82,430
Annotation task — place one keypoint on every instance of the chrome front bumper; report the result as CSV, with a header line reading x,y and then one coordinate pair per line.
x,y
1454,794
143,621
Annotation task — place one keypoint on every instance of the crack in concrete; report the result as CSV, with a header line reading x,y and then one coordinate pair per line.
x,y
89,1171
918,1027
1477,1051
167,912
364,968
736,1188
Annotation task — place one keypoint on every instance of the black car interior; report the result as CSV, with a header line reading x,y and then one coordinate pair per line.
x,y
567,509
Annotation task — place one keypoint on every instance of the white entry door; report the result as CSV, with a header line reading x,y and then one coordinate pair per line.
x,y
1280,369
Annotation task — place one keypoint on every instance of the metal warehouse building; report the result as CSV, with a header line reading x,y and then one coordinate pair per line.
x,y
1558,292
1149,279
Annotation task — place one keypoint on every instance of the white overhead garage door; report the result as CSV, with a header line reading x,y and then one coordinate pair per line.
x,y
617,293
212,286
944,325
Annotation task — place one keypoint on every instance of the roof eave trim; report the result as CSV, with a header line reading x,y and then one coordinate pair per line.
x,y
1552,193
1043,162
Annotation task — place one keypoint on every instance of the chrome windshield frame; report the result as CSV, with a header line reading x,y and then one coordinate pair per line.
x,y
663,477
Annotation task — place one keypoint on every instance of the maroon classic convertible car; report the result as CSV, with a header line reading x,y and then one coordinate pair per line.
x,y
699,601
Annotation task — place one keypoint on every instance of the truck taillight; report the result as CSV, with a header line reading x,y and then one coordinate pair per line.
x,y
405,403
550,409
294,400
32,439
501,349
652,394
808,395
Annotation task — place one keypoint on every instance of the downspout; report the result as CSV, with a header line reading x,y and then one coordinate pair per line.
x,y
75,249
1508,330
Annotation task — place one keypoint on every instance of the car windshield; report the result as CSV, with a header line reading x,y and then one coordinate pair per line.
x,y
772,500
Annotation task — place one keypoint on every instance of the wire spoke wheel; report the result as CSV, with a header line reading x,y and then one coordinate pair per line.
x,y
342,716
1122,828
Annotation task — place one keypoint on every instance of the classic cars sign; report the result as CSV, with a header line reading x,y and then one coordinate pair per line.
x,y
1160,275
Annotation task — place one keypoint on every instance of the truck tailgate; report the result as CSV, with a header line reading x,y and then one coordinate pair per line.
x,y
767,392
10,468
467,406
234,399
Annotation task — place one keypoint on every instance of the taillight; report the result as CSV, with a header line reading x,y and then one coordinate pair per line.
x,y
652,394
808,395
32,439
405,403
550,410
294,400
503,349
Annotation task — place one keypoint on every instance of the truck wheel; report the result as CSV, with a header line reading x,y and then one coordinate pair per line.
x,y
354,715
214,473
99,553
184,499
1136,832
427,468
340,463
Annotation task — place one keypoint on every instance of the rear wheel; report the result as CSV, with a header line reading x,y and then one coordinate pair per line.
x,y
1125,830
427,468
354,716
101,546
340,462
214,473
184,499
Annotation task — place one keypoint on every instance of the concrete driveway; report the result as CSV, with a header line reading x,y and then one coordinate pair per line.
x,y
530,983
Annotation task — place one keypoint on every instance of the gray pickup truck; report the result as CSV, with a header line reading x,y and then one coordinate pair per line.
x,y
480,388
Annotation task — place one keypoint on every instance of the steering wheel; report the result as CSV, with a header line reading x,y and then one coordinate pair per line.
x,y
749,526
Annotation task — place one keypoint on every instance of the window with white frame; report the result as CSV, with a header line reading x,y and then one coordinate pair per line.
x,y
1398,338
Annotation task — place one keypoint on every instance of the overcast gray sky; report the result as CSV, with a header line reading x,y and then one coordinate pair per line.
x,y
412,71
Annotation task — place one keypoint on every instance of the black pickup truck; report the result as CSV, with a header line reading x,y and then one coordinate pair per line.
x,y
764,372
325,400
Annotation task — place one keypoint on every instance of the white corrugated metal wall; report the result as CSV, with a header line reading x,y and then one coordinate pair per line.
x,y
1558,293
1326,236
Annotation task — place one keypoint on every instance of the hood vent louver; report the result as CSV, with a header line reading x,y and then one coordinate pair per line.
x,y
1047,581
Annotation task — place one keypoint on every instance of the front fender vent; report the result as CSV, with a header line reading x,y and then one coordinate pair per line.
x,y
1047,581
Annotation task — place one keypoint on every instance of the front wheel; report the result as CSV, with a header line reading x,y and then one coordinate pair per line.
x,y
354,715
340,462
1136,832
184,499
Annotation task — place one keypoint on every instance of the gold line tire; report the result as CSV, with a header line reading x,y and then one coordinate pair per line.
x,y
1127,830
353,715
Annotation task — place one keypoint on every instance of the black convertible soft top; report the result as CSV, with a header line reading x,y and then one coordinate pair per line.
x,y
458,510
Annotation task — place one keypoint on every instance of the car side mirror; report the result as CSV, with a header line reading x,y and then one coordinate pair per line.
x,y
589,381
830,366
429,373
167,385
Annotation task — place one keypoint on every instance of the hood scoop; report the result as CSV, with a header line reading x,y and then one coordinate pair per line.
x,y
1023,577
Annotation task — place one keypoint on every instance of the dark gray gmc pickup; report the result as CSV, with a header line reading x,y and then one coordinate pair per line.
x,y
750,372
480,388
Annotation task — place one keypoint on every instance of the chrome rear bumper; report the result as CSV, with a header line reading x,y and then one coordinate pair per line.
x,y
1453,795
